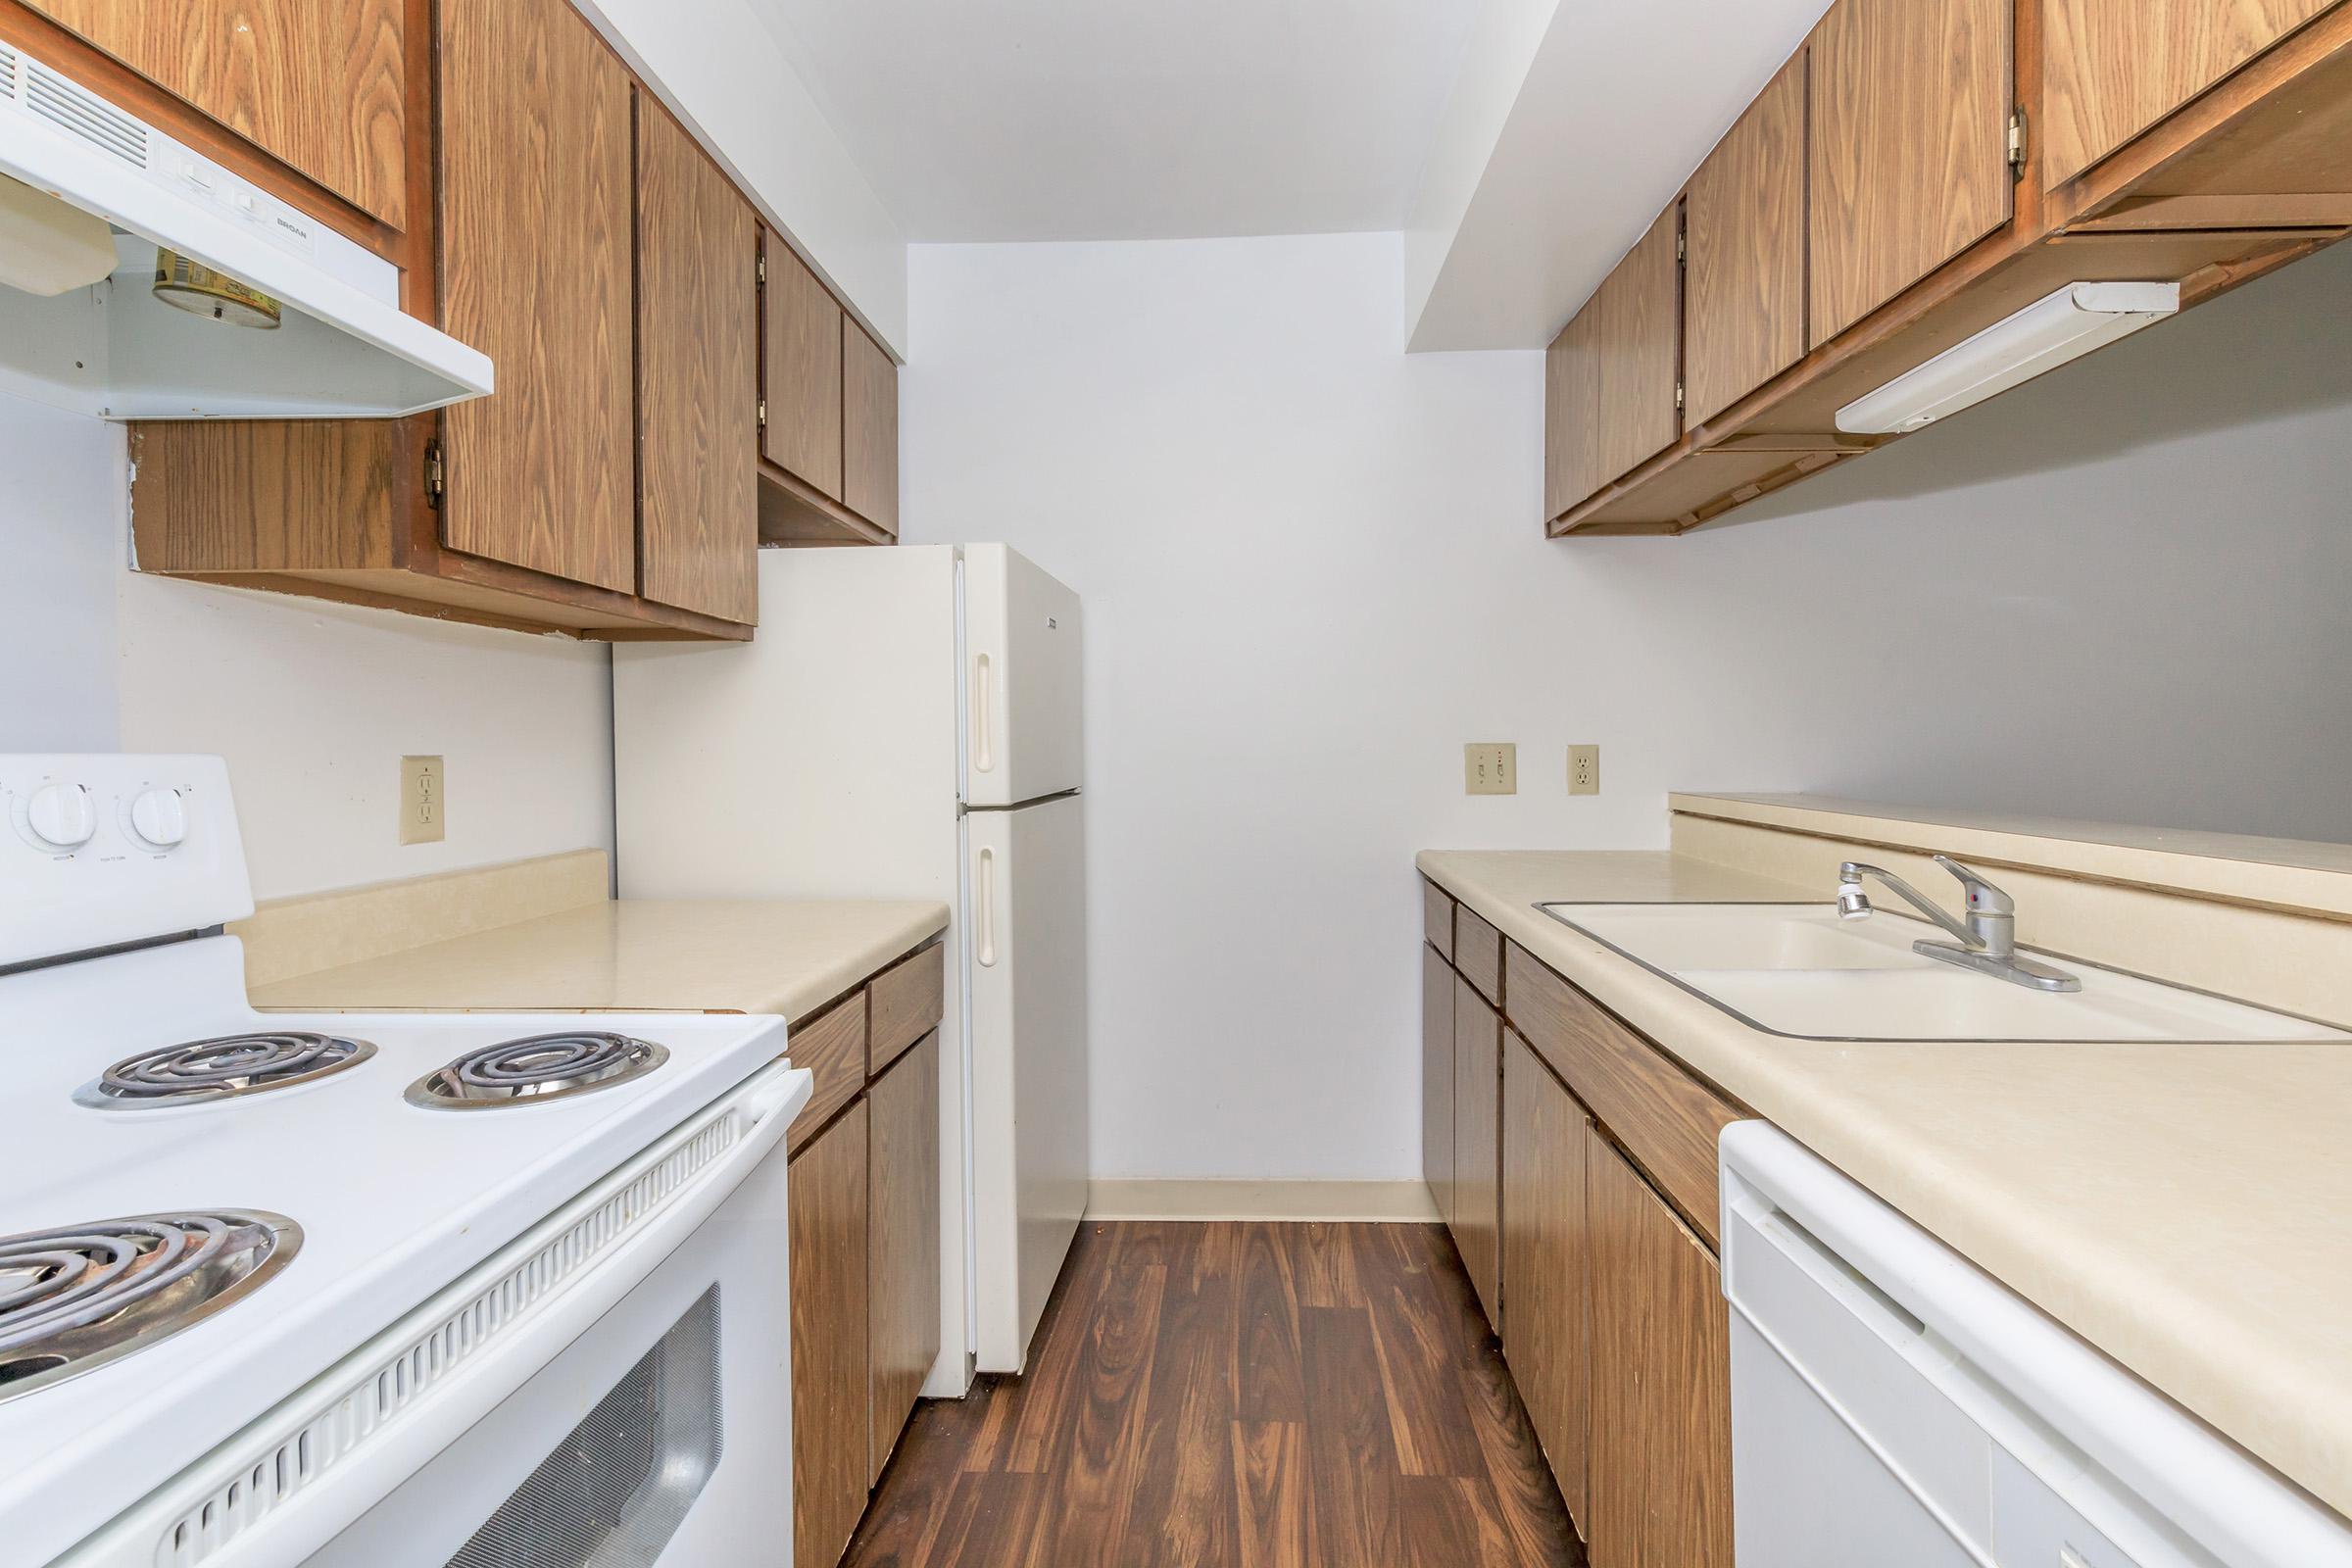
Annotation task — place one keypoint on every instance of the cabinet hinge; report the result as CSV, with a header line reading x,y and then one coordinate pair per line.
x,y
1678,395
2017,142
435,475
763,413
760,271
1681,246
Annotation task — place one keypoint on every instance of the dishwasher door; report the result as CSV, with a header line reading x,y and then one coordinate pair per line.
x,y
1894,1405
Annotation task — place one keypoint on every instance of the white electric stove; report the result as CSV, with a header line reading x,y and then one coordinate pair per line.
x,y
360,1288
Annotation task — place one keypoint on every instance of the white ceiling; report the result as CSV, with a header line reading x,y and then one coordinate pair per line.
x,y
1035,119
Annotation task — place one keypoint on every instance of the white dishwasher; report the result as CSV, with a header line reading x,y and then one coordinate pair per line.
x,y
1892,1407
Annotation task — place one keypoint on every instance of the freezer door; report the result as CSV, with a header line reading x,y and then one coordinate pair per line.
x,y
1026,948
1023,739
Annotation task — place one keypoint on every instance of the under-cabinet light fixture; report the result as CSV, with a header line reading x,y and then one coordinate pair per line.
x,y
2045,334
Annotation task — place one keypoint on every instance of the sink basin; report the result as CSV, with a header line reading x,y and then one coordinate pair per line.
x,y
1797,969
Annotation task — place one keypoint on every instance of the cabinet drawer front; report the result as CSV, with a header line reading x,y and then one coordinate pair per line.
x,y
1666,1118
1437,919
1478,953
908,999
833,1049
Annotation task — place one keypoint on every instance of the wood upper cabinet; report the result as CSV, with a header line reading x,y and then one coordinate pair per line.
x,y
1436,1079
698,377
832,1396
1545,1260
1744,280
536,273
2112,69
870,429
803,326
903,1249
321,87
1477,1108
1661,1467
1610,378
1909,164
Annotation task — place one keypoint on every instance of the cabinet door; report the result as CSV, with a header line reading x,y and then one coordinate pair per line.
x,y
1637,343
1477,1107
698,377
870,429
832,1405
1436,1079
804,330
535,272
1745,281
1910,146
2112,69
903,1235
1545,1260
323,89
1571,415
1659,1488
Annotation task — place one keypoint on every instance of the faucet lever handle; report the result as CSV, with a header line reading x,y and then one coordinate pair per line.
x,y
1982,896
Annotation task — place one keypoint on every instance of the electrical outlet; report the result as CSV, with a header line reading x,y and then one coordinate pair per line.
x,y
422,806
1584,770
1490,767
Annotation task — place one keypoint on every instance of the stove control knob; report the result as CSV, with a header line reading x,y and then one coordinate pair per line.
x,y
62,816
160,818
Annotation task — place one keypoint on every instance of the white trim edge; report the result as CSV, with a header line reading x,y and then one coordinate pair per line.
x,y
1405,1202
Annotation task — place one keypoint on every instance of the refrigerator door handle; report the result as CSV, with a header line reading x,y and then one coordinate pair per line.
x,y
984,756
985,949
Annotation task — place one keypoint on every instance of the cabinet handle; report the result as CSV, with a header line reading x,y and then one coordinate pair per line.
x,y
986,900
984,756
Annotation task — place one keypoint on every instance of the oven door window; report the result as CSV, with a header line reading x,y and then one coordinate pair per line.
x,y
617,1486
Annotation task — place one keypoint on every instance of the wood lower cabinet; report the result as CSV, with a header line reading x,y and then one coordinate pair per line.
x,y
1660,1466
1744,280
1477,1157
832,1400
1436,1079
1546,1262
698,377
323,89
2112,69
1909,155
866,1244
903,1242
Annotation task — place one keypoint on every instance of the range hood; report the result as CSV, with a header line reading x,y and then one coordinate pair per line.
x,y
94,198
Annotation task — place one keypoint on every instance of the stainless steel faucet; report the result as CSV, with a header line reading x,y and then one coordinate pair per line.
x,y
1988,939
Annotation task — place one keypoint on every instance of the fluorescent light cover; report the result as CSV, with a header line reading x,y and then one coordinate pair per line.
x,y
2044,335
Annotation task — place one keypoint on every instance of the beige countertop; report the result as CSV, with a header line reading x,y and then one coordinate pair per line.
x,y
2187,1208
714,955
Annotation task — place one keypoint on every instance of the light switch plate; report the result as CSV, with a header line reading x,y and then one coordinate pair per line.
x,y
422,808
1584,770
1490,767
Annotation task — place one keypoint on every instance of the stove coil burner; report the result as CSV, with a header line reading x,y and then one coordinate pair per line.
x,y
535,1068
74,1299
217,1069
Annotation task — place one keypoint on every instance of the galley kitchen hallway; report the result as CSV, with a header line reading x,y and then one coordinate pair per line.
x,y
1215,1394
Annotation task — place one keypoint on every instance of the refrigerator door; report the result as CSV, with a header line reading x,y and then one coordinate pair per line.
x,y
1025,946
1022,681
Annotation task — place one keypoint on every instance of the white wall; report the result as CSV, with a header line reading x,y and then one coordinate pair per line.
x,y
312,703
1312,572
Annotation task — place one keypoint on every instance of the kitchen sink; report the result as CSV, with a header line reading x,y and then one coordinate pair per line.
x,y
1797,969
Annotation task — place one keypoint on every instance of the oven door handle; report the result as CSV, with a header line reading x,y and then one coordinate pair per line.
x,y
386,1445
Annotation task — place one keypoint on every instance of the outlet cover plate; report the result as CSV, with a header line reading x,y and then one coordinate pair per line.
x,y
1584,770
422,808
1490,767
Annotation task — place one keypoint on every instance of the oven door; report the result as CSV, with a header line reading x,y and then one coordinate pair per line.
x,y
614,1390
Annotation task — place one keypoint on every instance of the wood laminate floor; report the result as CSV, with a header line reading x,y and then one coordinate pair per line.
x,y
1235,1396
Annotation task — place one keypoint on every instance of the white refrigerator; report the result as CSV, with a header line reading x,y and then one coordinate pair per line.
x,y
906,724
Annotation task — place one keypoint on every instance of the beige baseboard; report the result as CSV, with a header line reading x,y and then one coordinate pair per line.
x,y
1404,1202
